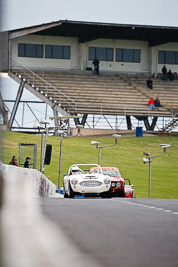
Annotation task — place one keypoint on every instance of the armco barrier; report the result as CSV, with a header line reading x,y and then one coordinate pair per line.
x,y
39,184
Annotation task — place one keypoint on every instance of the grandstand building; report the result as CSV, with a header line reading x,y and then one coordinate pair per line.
x,y
54,62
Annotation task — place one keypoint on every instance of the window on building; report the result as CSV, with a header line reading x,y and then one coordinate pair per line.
x,y
103,54
127,55
168,57
57,51
30,50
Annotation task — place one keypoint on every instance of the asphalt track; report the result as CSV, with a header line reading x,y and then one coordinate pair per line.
x,y
119,232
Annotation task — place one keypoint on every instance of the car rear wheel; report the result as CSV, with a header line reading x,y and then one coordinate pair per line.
x,y
71,192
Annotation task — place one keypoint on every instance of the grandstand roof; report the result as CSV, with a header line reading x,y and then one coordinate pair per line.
x,y
88,31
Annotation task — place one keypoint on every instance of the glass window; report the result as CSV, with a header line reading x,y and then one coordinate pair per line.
x,y
170,57
21,50
161,57
167,57
39,51
91,53
137,55
67,52
119,55
127,55
109,54
48,51
176,57
103,54
56,51
30,50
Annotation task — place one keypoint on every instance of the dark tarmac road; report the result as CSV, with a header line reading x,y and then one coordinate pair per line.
x,y
119,232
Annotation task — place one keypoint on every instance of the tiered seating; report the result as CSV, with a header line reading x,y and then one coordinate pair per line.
x,y
167,91
107,94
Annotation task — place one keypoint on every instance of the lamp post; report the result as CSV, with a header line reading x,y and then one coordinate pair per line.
x,y
60,159
100,147
63,135
148,160
43,152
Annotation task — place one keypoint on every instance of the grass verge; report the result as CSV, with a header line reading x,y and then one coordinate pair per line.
x,y
127,156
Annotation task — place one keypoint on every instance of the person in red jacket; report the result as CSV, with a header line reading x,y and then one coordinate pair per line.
x,y
151,103
13,161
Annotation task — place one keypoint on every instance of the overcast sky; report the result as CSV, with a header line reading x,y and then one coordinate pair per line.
x,y
22,13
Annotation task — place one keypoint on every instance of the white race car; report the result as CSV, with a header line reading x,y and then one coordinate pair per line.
x,y
80,182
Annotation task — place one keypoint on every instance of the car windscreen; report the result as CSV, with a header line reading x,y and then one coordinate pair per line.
x,y
111,172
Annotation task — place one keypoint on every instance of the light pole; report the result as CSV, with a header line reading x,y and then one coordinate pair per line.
x,y
60,159
97,146
43,152
148,160
63,135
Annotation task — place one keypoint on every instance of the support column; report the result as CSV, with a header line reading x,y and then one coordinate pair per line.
x,y
84,118
129,124
16,104
153,123
3,111
146,122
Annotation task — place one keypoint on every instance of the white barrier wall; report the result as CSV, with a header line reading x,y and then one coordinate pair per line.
x,y
37,182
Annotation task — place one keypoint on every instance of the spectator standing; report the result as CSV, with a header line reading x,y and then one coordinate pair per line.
x,y
96,65
170,76
149,83
151,103
13,161
26,163
157,103
164,73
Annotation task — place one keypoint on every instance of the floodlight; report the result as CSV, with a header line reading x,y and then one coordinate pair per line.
x,y
116,135
145,160
95,143
35,126
165,145
146,153
43,121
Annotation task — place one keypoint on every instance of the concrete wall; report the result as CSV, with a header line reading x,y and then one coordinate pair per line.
x,y
37,182
28,238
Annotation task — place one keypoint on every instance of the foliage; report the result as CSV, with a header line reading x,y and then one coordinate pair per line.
x,y
127,156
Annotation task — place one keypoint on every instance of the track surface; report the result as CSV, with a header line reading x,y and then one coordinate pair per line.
x,y
119,232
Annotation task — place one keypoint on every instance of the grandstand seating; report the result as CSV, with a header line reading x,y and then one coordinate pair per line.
x,y
106,94
167,91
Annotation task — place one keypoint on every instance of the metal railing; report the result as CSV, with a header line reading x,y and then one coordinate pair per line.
x,y
31,78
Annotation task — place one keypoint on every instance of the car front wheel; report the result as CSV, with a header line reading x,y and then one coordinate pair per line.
x,y
71,192
65,195
109,193
122,192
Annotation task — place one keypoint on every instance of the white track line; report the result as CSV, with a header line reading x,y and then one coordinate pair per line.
x,y
150,207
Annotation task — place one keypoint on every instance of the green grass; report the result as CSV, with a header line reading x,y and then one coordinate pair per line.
x,y
127,156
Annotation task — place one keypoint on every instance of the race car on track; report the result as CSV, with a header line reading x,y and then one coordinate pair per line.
x,y
129,189
79,181
117,182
